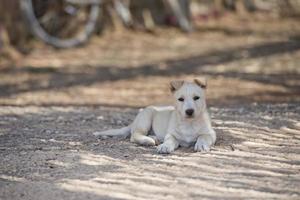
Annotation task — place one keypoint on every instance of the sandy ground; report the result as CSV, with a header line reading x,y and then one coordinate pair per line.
x,y
49,153
52,101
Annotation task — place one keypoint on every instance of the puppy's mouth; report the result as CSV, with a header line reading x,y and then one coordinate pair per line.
x,y
189,116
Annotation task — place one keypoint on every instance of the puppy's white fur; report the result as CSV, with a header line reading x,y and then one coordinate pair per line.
x,y
173,125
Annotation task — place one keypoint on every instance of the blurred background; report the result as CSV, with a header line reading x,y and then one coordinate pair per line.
x,y
70,68
124,53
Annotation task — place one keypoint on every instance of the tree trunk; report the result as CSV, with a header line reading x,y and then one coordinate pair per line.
x,y
12,31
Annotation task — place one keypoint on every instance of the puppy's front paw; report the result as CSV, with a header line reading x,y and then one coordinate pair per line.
x,y
202,145
165,149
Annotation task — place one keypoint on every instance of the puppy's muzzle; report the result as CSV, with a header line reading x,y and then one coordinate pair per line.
x,y
189,112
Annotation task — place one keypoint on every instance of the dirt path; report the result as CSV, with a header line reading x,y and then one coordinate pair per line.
x,y
256,62
49,153
52,102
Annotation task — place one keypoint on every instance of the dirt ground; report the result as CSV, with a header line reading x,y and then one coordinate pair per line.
x,y
52,101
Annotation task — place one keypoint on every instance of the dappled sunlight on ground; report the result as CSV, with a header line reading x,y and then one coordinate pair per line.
x,y
256,156
134,69
52,102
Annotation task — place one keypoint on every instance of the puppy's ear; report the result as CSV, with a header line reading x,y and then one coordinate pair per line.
x,y
175,85
202,82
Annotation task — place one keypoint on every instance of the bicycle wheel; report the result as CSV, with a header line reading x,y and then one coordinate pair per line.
x,y
61,23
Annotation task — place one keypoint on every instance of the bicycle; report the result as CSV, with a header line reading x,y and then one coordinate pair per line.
x,y
70,23
67,23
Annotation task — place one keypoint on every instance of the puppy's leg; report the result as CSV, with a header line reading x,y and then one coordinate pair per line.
x,y
154,137
169,145
204,142
141,139
141,127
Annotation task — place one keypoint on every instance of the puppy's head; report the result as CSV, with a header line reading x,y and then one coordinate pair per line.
x,y
189,97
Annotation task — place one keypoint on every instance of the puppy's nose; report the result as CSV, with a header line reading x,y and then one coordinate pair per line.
x,y
189,112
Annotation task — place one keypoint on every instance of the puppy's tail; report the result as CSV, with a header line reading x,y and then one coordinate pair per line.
x,y
124,132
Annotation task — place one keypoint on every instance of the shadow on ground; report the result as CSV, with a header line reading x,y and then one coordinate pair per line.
x,y
49,153
69,76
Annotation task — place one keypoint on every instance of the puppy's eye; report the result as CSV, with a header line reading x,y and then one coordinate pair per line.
x,y
181,99
196,98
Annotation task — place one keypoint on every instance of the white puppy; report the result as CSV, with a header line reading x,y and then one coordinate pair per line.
x,y
185,124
